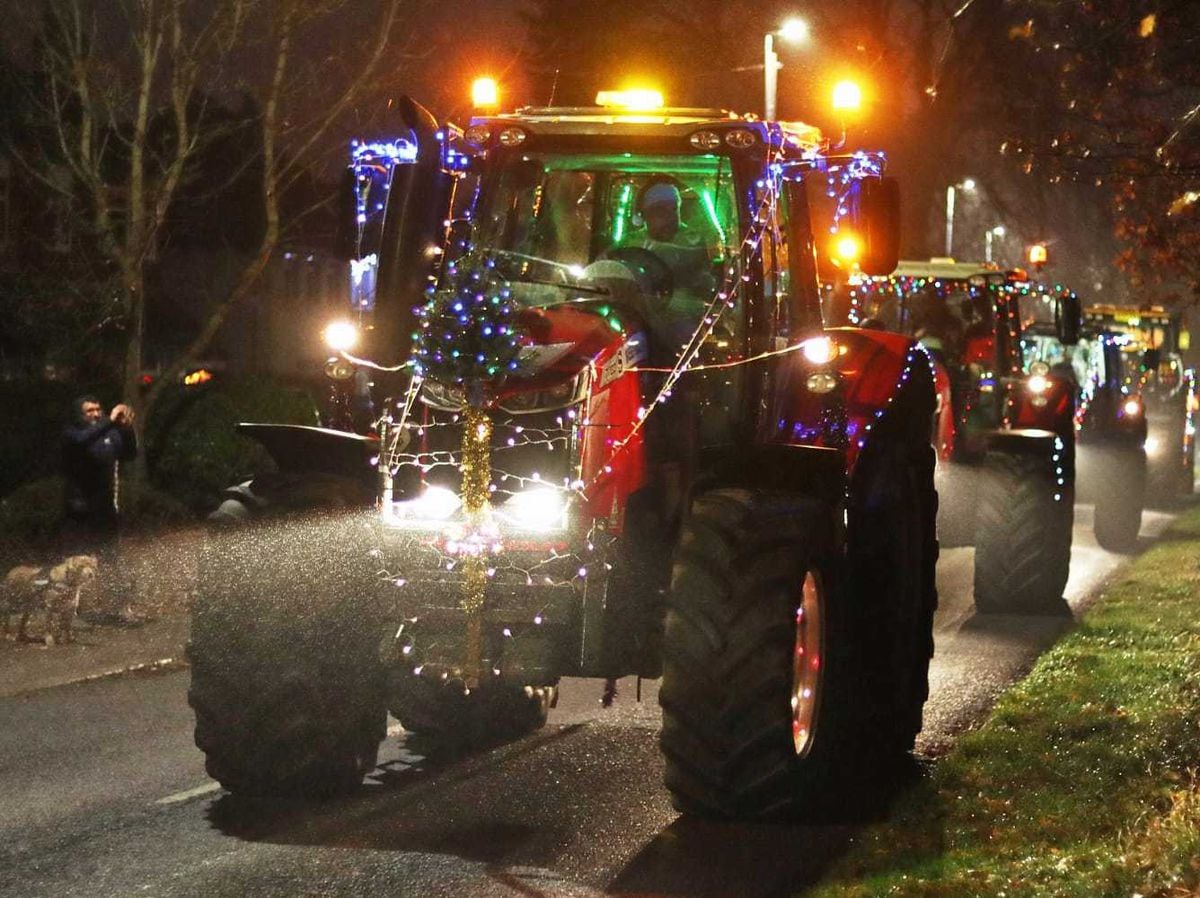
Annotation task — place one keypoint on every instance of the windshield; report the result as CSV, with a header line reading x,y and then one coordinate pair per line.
x,y
1083,363
1038,312
556,222
952,324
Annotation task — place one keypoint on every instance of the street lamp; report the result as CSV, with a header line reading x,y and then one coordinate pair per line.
x,y
997,231
967,184
793,31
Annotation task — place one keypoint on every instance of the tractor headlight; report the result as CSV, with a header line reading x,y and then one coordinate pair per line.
x,y
1132,407
443,397
541,508
819,350
1037,384
340,336
562,395
436,503
570,392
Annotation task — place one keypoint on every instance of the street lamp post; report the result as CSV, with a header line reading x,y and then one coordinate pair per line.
x,y
794,31
770,75
967,184
997,231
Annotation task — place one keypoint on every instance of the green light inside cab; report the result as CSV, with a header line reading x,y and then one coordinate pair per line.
x,y
710,208
623,203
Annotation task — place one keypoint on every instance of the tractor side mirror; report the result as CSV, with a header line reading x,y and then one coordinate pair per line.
x,y
878,221
1070,318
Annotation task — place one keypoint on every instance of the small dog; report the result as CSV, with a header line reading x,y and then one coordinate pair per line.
x,y
55,590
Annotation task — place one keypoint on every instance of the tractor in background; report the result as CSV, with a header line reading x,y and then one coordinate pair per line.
x,y
1110,416
1151,342
1005,439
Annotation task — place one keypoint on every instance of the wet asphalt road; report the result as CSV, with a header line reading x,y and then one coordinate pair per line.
x,y
102,792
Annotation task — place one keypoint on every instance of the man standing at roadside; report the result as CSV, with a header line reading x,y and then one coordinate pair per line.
x,y
93,445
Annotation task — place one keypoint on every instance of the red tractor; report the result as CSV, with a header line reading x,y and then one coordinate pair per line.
x,y
618,441
1005,439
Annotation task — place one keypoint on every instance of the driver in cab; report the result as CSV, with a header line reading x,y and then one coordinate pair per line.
x,y
682,250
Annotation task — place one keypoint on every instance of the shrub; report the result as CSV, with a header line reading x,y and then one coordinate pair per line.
x,y
30,518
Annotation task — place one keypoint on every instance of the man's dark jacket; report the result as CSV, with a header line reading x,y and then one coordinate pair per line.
x,y
89,456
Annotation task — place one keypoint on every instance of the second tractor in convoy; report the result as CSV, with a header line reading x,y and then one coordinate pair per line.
x,y
1005,438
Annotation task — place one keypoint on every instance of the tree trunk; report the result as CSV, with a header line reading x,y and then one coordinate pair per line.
x,y
131,386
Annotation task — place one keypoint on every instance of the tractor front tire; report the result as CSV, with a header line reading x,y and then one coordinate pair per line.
x,y
759,601
1120,499
286,683
1023,535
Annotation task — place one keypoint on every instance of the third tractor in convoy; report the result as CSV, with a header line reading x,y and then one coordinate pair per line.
x,y
1110,419
1150,342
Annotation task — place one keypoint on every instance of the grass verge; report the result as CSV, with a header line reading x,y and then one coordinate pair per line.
x,y
1085,780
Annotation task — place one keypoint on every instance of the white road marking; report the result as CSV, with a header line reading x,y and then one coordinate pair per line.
x,y
178,797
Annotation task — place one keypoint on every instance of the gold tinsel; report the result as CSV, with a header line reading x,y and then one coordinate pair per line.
x,y
476,463
476,478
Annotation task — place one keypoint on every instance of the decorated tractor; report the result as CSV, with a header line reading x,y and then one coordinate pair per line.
x,y
617,440
1005,439
1150,343
1110,416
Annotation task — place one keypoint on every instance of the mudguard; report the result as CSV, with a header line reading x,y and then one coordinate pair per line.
x,y
1030,440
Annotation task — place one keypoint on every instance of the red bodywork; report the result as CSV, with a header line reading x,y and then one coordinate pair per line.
x,y
870,366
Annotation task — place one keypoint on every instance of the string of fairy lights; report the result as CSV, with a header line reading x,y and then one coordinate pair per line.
x,y
902,287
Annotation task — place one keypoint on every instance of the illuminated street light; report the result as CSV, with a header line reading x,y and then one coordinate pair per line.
x,y
793,31
967,184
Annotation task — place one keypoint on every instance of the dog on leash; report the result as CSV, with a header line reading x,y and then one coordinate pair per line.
x,y
54,590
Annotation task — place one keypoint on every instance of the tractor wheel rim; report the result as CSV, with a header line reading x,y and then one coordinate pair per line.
x,y
807,663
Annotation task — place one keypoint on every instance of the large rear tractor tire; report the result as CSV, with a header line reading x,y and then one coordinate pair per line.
x,y
1023,534
1120,498
287,686
792,681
